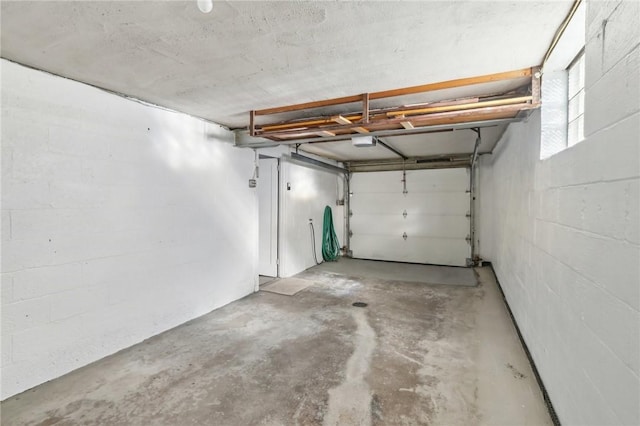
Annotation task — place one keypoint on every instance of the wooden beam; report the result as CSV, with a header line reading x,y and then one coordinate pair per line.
x,y
509,75
435,107
450,84
377,114
402,109
427,129
535,87
325,133
406,124
396,118
306,123
496,102
341,120
447,117
365,108
345,121
309,105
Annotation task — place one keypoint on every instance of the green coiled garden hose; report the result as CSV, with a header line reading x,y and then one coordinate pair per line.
x,y
330,244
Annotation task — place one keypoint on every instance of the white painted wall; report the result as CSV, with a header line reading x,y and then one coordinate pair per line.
x,y
311,190
564,234
119,221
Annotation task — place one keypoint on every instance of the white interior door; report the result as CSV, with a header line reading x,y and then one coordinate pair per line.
x,y
427,224
268,217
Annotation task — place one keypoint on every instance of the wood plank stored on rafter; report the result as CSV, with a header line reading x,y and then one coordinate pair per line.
x,y
402,109
309,105
345,121
437,107
365,108
450,84
509,75
341,120
488,112
460,107
405,124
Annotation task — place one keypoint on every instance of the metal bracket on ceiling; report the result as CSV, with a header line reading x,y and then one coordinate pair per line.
x,y
390,148
297,146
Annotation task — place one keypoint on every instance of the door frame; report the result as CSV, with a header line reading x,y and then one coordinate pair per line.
x,y
278,206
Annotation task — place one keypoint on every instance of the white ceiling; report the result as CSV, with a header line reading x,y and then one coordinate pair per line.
x,y
253,55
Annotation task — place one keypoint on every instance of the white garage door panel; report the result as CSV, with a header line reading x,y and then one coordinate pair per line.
x,y
436,222
444,203
437,251
421,226
447,203
441,180
376,182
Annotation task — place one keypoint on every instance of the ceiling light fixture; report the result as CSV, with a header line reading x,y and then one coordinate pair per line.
x,y
205,6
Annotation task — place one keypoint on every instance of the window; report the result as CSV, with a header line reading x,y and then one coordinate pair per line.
x,y
575,104
563,93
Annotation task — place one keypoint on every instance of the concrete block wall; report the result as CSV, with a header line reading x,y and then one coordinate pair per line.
x,y
565,234
119,221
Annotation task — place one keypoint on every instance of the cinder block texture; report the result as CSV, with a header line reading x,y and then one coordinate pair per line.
x,y
564,240
119,221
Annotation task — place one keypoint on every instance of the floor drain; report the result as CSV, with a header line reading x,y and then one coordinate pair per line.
x,y
360,305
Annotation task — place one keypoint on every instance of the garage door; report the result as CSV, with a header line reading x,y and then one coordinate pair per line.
x,y
428,223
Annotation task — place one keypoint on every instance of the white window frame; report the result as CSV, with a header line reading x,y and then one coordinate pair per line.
x,y
555,120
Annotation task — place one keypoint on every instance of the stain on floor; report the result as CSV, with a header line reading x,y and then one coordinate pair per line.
x,y
417,354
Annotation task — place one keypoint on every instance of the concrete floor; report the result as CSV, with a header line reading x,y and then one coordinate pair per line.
x,y
417,354
263,279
